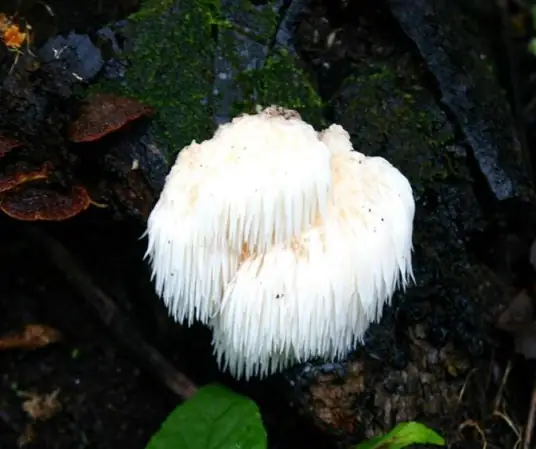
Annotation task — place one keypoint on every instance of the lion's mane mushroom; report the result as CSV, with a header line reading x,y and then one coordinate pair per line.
x,y
285,241
315,294
260,181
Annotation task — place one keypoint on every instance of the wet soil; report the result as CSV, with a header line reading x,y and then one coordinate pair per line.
x,y
108,397
106,400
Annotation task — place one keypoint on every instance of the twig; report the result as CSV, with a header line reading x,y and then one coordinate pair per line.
x,y
510,424
462,391
527,440
111,314
499,395
474,425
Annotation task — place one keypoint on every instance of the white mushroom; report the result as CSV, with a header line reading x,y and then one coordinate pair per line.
x,y
260,181
316,294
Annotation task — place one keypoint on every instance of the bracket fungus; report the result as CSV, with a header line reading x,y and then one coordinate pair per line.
x,y
60,192
101,114
26,193
20,173
32,203
284,240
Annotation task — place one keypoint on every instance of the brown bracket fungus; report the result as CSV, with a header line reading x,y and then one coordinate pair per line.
x,y
285,241
22,198
102,114
20,173
26,195
32,203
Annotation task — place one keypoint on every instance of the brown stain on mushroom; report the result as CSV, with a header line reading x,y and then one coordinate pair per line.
x,y
279,111
245,253
298,248
193,195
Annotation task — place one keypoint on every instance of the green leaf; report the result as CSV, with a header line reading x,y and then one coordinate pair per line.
x,y
215,418
532,46
403,435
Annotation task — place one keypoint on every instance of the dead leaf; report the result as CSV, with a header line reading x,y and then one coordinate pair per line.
x,y
41,407
33,336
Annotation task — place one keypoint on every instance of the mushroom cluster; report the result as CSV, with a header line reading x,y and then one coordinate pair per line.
x,y
48,186
284,240
26,193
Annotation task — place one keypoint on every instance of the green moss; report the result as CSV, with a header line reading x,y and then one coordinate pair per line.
x,y
258,22
259,79
280,82
170,68
391,115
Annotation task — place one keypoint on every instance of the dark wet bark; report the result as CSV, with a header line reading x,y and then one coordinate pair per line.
x,y
461,66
